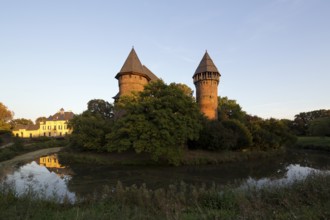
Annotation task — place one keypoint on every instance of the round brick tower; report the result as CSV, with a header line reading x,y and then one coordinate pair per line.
x,y
133,76
206,80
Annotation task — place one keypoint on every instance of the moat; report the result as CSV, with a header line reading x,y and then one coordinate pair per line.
x,y
50,177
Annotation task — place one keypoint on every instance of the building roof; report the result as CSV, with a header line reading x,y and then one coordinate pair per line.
x,y
26,127
206,65
61,115
116,96
132,64
150,74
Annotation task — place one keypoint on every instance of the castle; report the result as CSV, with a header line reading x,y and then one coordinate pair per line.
x,y
133,76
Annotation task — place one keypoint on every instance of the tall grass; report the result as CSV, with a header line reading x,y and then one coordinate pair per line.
x,y
307,199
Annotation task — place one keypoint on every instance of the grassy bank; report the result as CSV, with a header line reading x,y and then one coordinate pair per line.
x,y
308,199
317,143
190,157
22,146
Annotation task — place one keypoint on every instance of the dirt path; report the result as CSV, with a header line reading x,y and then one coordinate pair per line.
x,y
29,156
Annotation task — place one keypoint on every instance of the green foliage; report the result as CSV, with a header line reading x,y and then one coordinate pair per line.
x,y
319,127
40,119
225,135
5,116
20,121
100,107
302,120
229,109
308,199
159,120
89,131
241,134
270,133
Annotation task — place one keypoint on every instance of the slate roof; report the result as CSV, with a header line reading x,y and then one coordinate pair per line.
x,y
61,115
134,65
116,96
206,65
26,127
150,74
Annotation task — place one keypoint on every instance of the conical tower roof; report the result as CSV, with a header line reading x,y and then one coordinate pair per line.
x,y
150,74
206,65
132,64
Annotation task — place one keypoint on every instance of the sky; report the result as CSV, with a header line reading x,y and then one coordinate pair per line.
x,y
273,55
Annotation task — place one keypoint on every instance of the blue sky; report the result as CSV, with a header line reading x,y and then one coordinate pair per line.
x,y
274,55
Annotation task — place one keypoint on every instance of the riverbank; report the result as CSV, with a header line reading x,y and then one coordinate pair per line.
x,y
313,143
307,199
22,146
30,156
190,157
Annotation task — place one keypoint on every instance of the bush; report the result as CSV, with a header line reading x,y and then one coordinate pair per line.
x,y
227,135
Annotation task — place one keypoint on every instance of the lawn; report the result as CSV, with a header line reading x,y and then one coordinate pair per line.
x,y
317,143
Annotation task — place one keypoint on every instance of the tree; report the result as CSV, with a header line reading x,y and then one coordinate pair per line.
x,y
159,120
185,89
103,108
269,133
21,121
5,117
319,127
303,119
214,136
229,109
91,127
40,119
242,137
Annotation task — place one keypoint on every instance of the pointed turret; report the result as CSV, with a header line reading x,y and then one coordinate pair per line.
x,y
206,65
150,74
206,80
131,65
133,76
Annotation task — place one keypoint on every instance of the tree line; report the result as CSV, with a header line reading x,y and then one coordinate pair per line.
x,y
164,121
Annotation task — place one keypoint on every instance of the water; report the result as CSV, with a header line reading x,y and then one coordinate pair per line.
x,y
52,179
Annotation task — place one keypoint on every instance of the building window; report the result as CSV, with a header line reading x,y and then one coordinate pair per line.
x,y
59,127
44,134
54,127
17,135
50,134
30,135
61,134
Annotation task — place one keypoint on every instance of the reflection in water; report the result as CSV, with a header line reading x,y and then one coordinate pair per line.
x,y
49,183
294,173
53,179
52,163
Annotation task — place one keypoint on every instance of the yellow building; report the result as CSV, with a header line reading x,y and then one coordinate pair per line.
x,y
55,126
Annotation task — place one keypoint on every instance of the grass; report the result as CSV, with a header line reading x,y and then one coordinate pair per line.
x,y
307,199
317,143
22,146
